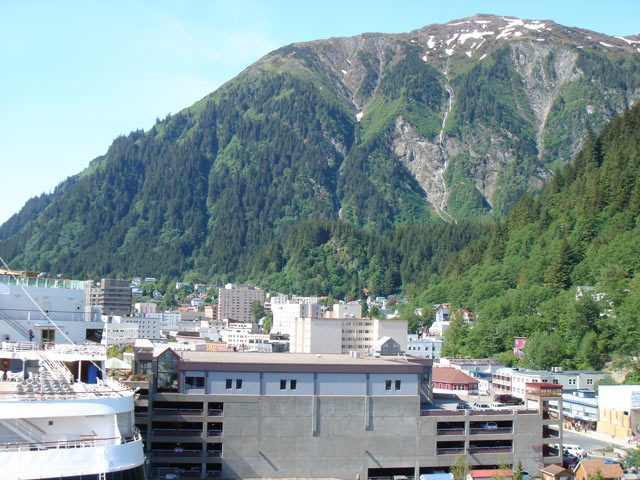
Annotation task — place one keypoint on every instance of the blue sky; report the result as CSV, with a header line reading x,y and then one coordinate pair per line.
x,y
76,74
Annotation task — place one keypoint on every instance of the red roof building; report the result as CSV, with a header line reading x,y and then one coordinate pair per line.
x,y
488,474
452,380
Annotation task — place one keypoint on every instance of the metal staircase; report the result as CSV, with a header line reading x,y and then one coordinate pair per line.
x,y
58,370
14,325
25,429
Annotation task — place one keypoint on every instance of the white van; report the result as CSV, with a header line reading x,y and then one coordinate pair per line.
x,y
574,450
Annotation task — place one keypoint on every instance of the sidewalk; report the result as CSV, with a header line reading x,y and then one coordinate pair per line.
x,y
617,441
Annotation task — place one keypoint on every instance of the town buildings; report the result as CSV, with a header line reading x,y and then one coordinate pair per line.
x,y
580,409
112,295
234,301
425,347
512,381
252,415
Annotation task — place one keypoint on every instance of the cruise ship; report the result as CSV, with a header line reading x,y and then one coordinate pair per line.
x,y
60,417
54,427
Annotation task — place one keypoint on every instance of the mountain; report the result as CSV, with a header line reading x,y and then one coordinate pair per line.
x,y
450,122
562,269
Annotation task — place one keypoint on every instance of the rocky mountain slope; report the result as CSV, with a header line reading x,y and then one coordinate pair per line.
x,y
506,102
449,122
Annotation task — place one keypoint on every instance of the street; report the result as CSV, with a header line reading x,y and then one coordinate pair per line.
x,y
587,443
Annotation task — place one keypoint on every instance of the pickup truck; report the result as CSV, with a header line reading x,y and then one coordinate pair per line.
x,y
508,399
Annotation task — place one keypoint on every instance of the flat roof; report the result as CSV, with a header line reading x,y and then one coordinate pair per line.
x,y
298,362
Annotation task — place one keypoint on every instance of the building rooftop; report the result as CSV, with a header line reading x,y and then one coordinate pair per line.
x,y
607,470
491,473
556,470
299,362
451,375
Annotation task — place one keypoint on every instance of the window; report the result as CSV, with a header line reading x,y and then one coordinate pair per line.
x,y
555,380
387,385
283,384
238,383
397,384
194,382
589,381
167,371
293,384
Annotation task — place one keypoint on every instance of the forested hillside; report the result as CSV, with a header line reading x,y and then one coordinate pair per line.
x,y
563,269
386,137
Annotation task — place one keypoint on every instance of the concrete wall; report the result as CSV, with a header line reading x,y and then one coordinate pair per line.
x,y
303,437
395,328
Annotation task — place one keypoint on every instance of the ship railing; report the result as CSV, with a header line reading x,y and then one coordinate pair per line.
x,y
91,349
69,444
18,346
34,396
57,369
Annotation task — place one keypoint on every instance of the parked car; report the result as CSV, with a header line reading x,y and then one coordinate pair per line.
x,y
463,406
491,426
480,406
508,399
574,451
498,405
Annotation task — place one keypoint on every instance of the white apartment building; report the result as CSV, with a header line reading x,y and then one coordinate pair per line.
x,y
238,335
119,333
315,335
284,315
342,334
512,380
144,307
427,347
167,319
234,301
148,327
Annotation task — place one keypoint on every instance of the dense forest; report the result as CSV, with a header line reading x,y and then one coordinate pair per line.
x,y
315,171
562,270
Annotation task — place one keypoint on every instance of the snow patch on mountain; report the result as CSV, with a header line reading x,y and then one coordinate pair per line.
x,y
628,41
452,39
475,34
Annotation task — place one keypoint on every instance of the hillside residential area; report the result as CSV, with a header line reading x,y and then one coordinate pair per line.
x,y
221,394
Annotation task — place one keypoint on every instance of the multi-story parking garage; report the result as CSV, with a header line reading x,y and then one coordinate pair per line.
x,y
248,415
